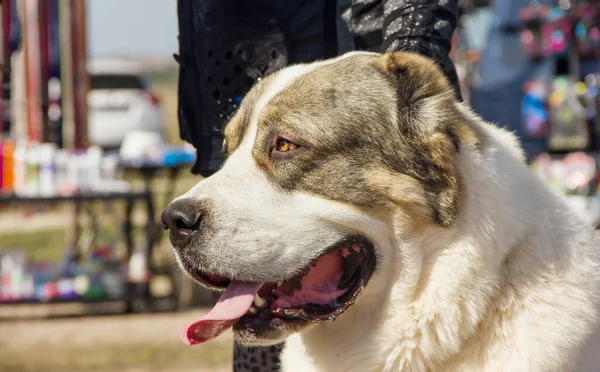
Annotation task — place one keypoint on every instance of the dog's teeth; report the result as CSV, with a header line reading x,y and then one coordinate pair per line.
x,y
252,310
258,301
279,283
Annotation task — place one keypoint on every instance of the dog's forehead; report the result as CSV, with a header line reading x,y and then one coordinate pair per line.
x,y
332,100
332,88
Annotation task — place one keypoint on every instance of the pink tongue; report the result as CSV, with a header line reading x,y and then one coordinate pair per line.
x,y
232,305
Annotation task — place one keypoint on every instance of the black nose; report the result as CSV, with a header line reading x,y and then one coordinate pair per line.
x,y
183,217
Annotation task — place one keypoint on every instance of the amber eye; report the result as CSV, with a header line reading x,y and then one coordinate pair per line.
x,y
283,145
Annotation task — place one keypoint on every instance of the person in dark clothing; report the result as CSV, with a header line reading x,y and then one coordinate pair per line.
x,y
228,45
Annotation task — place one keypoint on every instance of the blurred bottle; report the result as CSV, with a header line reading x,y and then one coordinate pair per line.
x,y
66,289
32,165
20,167
533,114
8,153
47,153
93,165
137,267
82,166
72,183
60,176
569,130
81,284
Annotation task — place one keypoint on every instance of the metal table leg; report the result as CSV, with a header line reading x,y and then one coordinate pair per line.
x,y
128,232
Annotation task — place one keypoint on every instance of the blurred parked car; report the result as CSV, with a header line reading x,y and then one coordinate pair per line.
x,y
120,100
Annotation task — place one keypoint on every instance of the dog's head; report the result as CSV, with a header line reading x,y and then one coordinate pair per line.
x,y
326,163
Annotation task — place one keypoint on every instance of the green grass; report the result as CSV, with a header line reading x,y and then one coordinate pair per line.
x,y
165,76
42,245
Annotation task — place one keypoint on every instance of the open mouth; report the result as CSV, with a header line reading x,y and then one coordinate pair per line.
x,y
322,291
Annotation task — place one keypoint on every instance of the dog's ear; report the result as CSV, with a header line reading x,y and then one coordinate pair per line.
x,y
429,131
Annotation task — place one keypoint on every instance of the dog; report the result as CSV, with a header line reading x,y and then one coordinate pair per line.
x,y
374,223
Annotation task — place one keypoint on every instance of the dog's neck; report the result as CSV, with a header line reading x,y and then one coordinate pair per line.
x,y
445,305
437,317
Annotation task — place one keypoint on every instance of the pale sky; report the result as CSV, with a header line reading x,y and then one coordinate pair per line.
x,y
132,27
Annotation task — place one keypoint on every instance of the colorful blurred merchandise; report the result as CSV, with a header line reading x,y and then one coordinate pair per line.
x,y
7,152
164,156
533,111
572,174
572,26
32,169
576,176
147,149
101,277
571,129
42,169
563,113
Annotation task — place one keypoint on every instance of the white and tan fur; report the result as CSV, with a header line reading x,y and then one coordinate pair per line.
x,y
512,285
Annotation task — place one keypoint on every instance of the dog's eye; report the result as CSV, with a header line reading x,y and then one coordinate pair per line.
x,y
284,145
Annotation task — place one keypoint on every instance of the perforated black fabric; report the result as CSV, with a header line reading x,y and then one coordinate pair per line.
x,y
228,45
256,359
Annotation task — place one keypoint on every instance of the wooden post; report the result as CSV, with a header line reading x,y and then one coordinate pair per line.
x,y
18,80
81,78
66,72
8,12
32,64
4,57
42,21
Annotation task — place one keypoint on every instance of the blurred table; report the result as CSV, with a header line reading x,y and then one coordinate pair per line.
x,y
130,198
149,171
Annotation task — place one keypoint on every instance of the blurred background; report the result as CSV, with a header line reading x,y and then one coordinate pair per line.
x,y
90,153
87,281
